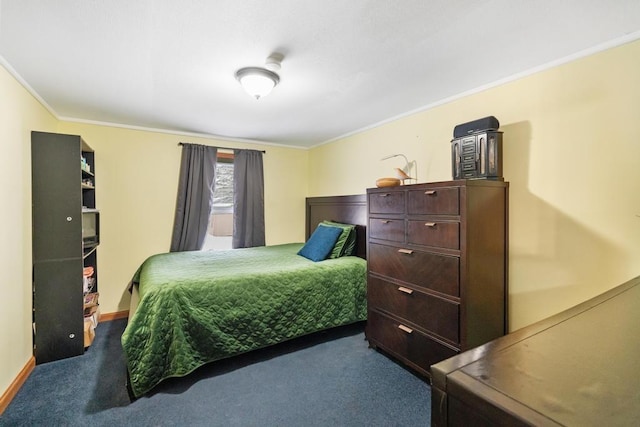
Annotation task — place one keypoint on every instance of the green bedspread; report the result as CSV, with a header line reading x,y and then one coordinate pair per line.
x,y
197,307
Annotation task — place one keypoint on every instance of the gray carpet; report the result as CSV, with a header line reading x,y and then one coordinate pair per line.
x,y
326,379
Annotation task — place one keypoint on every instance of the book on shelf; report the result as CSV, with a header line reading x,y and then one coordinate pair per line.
x,y
90,303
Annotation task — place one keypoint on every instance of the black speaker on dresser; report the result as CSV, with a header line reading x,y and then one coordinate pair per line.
x,y
485,123
475,153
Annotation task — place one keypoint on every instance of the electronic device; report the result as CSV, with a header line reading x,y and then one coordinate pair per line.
x,y
485,123
90,227
478,155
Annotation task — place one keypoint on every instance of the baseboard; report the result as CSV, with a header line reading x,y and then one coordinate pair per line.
x,y
106,317
11,392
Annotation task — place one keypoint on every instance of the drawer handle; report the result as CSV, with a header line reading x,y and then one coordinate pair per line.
x,y
430,192
385,221
384,195
405,251
430,224
405,328
405,290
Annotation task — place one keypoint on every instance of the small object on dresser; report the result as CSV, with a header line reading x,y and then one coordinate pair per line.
x,y
485,123
476,150
402,175
387,182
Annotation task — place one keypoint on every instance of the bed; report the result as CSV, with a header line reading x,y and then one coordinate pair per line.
x,y
192,308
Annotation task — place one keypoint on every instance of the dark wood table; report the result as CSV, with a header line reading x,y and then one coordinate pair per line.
x,y
580,367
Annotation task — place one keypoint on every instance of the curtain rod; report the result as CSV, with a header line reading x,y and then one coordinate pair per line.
x,y
224,148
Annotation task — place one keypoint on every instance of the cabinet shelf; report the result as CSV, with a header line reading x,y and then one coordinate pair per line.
x,y
88,250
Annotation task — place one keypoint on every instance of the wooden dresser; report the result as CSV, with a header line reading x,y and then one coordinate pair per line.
x,y
577,368
437,269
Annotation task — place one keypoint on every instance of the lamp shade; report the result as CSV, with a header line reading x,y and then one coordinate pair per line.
x,y
257,82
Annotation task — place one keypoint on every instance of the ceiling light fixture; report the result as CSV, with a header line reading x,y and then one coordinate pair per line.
x,y
256,81
273,61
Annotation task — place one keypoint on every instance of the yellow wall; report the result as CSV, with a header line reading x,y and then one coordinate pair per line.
x,y
19,114
570,155
137,180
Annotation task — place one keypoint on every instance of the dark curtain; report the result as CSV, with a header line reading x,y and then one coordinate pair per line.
x,y
248,200
195,194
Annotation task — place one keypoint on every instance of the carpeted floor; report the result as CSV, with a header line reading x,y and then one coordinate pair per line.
x,y
326,379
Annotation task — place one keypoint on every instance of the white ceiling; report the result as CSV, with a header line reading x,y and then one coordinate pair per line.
x,y
348,64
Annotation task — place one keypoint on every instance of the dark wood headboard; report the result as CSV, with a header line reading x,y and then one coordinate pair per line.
x,y
344,209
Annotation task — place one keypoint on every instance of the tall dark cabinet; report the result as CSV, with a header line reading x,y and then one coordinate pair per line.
x,y
437,261
63,193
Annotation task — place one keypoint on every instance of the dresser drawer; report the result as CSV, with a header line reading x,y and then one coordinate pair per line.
x,y
434,314
386,229
441,234
407,344
434,201
440,273
387,202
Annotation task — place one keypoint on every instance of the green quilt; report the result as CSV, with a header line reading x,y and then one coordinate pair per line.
x,y
197,307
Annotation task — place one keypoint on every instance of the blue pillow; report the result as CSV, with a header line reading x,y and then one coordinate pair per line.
x,y
320,244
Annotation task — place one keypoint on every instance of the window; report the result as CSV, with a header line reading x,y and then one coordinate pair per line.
x,y
220,231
